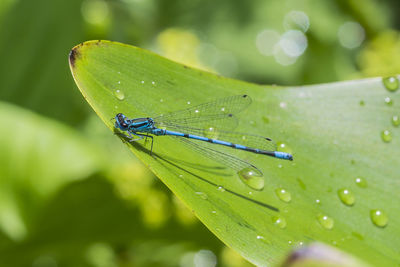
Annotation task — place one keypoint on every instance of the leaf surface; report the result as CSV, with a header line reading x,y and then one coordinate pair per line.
x,y
333,130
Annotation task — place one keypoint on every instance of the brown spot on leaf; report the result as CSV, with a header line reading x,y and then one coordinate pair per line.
x,y
73,55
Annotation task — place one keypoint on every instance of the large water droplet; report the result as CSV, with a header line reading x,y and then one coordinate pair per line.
x,y
279,221
325,221
391,83
119,94
252,178
346,196
395,120
283,194
379,217
361,182
386,136
282,147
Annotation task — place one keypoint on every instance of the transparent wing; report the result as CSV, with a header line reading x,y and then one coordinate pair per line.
x,y
207,114
249,140
221,157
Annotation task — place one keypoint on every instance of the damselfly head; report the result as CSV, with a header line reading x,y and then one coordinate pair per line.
x,y
120,122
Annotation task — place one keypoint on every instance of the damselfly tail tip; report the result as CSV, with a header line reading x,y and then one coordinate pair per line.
x,y
283,155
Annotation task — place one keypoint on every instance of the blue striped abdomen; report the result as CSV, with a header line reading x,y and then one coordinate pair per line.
x,y
276,154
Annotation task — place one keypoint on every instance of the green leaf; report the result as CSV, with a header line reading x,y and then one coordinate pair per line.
x,y
333,130
38,156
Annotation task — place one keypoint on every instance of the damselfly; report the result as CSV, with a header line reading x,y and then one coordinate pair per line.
x,y
194,124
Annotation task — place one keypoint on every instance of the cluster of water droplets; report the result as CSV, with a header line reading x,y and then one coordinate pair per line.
x,y
391,84
119,93
254,179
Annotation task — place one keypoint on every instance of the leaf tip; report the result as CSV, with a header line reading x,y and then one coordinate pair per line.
x,y
74,54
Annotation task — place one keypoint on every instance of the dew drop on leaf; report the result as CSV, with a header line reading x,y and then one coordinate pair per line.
x,y
252,177
361,182
325,221
395,120
388,101
379,217
346,196
283,194
221,189
119,94
386,136
391,83
279,221
202,195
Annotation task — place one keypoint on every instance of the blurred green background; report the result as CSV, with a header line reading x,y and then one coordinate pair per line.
x,y
71,194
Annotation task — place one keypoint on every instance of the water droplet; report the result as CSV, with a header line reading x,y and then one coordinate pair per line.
x,y
196,111
202,195
283,104
142,81
265,119
346,196
260,237
391,83
119,94
282,147
252,177
317,201
214,212
361,182
395,120
210,132
388,101
161,100
325,221
379,217
279,221
119,82
153,83
386,136
283,194
362,103
188,102
221,189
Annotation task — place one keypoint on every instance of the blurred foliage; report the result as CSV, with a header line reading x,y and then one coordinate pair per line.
x,y
113,212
